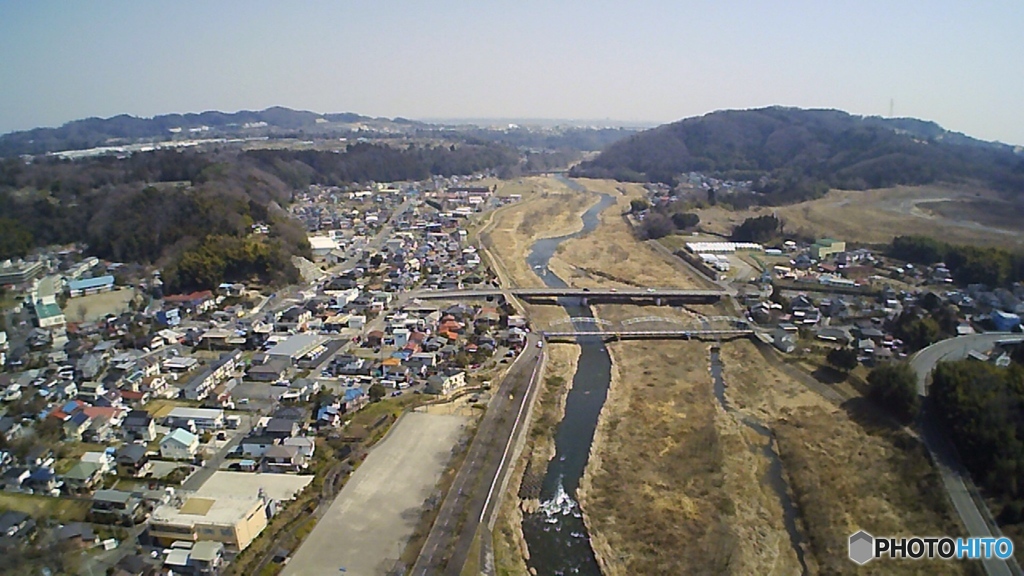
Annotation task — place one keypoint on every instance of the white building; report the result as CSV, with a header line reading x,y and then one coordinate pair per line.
x,y
322,246
180,444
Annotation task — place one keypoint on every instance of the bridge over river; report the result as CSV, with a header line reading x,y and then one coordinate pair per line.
x,y
649,328
656,296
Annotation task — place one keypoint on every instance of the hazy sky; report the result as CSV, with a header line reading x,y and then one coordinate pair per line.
x,y
956,62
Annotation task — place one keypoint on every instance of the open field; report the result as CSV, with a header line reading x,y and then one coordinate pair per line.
x,y
40,507
612,256
95,306
368,523
509,547
955,214
848,467
161,407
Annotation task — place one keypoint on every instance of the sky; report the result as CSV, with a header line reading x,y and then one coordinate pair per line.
x,y
954,62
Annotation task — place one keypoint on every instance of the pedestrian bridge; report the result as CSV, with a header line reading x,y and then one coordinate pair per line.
x,y
649,328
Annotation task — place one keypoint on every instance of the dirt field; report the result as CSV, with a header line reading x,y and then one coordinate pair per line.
x,y
963,214
367,525
612,256
95,306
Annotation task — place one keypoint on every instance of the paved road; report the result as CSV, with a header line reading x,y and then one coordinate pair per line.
x,y
447,546
955,478
196,480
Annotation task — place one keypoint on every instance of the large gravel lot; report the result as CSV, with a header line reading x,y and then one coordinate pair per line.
x,y
375,513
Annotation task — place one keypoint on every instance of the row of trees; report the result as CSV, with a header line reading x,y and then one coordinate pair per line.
x,y
967,264
365,162
758,229
661,221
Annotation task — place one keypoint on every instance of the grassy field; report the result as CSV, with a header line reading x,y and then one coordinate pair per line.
x,y
40,507
653,491
161,407
957,214
848,467
612,256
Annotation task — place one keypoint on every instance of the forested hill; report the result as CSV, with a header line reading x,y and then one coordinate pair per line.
x,y
792,154
123,129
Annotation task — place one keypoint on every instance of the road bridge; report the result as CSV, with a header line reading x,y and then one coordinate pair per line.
x,y
657,296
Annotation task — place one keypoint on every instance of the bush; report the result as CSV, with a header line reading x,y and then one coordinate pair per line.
x,y
894,387
842,359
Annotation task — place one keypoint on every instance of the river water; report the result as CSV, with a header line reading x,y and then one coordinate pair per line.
x,y
555,534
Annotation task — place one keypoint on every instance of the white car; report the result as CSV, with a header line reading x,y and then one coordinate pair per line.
x,y
540,344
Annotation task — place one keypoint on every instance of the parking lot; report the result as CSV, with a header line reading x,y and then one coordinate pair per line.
x,y
374,515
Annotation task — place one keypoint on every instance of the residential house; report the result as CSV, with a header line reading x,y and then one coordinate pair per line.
x,y
281,458
16,525
256,446
180,444
132,459
77,534
83,477
306,445
10,428
76,425
353,399
446,382
281,428
328,416
203,558
42,480
784,337
14,478
139,425
110,506
195,419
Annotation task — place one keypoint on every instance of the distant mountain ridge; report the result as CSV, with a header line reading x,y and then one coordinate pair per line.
x,y
124,128
796,153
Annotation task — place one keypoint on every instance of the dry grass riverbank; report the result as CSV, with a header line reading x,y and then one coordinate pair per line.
x,y
848,467
611,255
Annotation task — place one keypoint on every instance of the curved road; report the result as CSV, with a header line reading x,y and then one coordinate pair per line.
x,y
955,478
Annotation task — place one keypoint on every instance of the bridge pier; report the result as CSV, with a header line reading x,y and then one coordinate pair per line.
x,y
657,301
583,301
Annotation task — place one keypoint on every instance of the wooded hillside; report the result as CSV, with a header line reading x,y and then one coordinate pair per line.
x,y
792,154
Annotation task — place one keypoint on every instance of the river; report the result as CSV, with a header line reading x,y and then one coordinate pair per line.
x,y
555,534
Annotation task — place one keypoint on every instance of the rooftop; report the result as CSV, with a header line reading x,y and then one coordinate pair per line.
x,y
91,283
